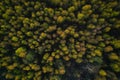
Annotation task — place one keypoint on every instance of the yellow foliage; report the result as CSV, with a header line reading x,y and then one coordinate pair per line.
x,y
108,49
113,56
80,16
51,28
74,56
67,31
64,48
80,55
57,56
27,68
66,58
17,77
38,73
4,64
102,73
44,70
56,72
45,57
22,54
9,76
35,67
89,56
50,59
61,71
93,54
79,60
63,35
107,29
98,52
43,35
15,64
86,7
11,67
76,35
53,54
23,78
60,19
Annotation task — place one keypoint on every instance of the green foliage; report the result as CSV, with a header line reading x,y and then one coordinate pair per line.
x,y
19,50
15,39
80,16
30,56
55,2
59,40
116,43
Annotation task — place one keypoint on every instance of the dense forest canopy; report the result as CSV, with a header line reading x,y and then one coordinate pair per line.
x,y
59,40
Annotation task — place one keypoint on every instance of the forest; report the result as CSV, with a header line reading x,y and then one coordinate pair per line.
x,y
59,39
